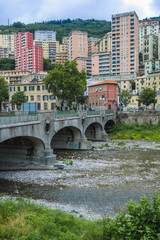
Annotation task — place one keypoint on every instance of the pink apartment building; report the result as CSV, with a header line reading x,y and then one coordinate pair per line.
x,y
125,43
77,45
27,56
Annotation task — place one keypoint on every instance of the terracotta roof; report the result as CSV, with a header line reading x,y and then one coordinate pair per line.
x,y
105,82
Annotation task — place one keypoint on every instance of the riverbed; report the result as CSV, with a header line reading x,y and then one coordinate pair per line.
x,y
98,182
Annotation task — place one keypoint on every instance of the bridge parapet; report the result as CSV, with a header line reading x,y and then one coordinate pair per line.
x,y
18,118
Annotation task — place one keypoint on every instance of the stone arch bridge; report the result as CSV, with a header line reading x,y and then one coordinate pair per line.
x,y
34,137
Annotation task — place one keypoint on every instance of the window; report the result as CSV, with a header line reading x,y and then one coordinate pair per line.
x,y
96,89
12,89
25,88
45,98
38,98
38,88
45,106
96,96
43,87
104,87
100,88
31,88
96,104
18,89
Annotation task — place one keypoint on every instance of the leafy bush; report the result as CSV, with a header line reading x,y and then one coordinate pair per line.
x,y
142,221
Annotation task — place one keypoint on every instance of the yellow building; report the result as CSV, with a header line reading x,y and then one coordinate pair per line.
x,y
35,92
104,44
50,48
13,76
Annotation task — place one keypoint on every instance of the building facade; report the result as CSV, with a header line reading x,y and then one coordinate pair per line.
x,y
27,56
7,41
103,95
44,35
50,48
147,27
77,45
125,43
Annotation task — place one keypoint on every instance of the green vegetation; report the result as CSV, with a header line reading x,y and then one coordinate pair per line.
x,y
4,91
7,64
103,146
95,28
125,97
121,144
147,97
18,98
68,162
22,220
135,131
67,83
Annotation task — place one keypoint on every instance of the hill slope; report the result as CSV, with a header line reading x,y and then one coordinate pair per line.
x,y
95,28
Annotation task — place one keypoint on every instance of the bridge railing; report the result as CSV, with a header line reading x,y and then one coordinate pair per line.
x,y
18,118
66,114
91,113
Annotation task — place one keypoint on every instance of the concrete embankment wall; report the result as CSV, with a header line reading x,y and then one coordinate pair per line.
x,y
149,117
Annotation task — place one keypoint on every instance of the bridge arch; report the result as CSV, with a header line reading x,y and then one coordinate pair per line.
x,y
21,148
109,124
93,131
67,137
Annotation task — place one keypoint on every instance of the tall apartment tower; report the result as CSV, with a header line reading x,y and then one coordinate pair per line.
x,y
77,45
45,35
125,43
147,27
27,56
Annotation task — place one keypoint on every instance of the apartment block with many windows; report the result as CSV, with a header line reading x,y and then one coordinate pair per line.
x,y
27,56
125,43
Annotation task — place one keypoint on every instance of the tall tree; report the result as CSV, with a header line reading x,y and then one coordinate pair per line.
x,y
18,98
125,97
147,97
4,91
66,82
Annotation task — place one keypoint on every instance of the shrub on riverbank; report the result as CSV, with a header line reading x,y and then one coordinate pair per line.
x,y
22,220
135,131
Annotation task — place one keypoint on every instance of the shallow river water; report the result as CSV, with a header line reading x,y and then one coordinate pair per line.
x,y
99,182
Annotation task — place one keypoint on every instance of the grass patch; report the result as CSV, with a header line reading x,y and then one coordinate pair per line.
x,y
68,162
105,145
136,132
23,220
121,144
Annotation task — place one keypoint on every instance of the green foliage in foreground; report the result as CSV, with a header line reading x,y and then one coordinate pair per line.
x,y
135,131
22,220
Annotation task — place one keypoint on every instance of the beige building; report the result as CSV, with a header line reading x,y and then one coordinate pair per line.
x,y
147,27
92,45
61,57
104,44
14,76
125,43
77,45
85,64
7,41
101,64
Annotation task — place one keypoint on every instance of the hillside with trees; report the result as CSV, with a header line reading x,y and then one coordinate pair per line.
x,y
95,28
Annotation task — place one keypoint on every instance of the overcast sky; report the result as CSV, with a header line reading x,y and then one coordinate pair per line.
x,y
30,11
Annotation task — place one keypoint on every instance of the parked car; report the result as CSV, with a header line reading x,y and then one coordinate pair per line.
x,y
91,109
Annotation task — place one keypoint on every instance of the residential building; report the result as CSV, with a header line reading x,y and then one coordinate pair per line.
x,y
125,43
7,41
61,57
77,45
13,76
150,47
104,44
27,56
101,64
65,40
84,63
35,91
44,35
50,48
91,45
4,53
103,95
147,27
